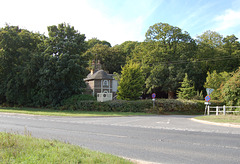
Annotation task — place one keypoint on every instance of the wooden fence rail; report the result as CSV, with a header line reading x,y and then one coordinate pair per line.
x,y
222,109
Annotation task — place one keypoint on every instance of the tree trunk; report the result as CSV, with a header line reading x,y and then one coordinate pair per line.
x,y
170,95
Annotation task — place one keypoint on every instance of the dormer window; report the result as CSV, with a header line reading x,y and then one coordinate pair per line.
x,y
105,83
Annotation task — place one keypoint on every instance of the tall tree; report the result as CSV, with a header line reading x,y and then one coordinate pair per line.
x,y
64,68
111,58
92,42
172,51
231,46
17,46
131,82
187,90
231,89
215,80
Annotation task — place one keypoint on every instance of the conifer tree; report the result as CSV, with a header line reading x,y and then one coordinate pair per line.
x,y
186,91
131,82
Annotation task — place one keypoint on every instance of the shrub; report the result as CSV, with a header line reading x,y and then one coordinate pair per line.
x,y
72,103
146,106
109,106
198,96
130,106
179,106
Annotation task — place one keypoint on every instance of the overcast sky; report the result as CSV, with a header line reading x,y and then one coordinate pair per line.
x,y
117,21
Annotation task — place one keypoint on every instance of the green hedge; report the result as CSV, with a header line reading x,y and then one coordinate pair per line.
x,y
114,106
179,106
161,106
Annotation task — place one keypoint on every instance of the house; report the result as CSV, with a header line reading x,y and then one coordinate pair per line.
x,y
101,82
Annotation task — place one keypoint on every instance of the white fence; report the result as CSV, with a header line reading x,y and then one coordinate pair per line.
x,y
222,109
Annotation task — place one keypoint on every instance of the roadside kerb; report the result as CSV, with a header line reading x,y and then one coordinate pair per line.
x,y
216,123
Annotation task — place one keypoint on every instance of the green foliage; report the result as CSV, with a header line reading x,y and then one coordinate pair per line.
x,y
36,70
186,91
71,101
231,90
218,53
146,106
198,96
17,49
131,82
167,46
92,42
214,80
117,76
64,68
40,71
179,106
111,58
109,106
26,149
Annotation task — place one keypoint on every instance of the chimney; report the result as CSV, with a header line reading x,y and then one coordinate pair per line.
x,y
99,66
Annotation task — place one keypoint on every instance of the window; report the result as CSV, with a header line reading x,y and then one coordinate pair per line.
x,y
105,83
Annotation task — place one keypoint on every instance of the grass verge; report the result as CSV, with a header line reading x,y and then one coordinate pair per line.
x,y
51,112
233,119
26,149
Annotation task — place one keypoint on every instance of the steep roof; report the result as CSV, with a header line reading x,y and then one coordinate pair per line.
x,y
99,75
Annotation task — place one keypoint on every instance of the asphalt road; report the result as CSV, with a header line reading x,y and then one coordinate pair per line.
x,y
159,139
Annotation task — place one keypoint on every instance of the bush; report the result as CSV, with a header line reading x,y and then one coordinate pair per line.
x,y
130,106
109,106
146,106
72,103
178,106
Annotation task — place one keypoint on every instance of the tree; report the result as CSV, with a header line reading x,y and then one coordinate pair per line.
x,y
231,90
92,42
111,58
17,48
214,80
186,91
169,46
64,68
131,82
127,48
231,46
218,53
210,38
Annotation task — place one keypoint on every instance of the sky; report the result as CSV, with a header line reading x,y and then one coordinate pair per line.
x,y
117,21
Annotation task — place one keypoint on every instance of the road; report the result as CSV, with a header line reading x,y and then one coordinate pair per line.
x,y
159,139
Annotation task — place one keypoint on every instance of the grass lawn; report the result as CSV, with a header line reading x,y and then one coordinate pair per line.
x,y
26,149
51,112
234,119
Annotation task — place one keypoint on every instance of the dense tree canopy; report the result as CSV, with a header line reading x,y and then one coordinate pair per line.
x,y
231,89
111,58
215,80
165,57
38,70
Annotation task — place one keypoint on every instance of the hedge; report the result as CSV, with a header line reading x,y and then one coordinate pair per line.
x,y
146,106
